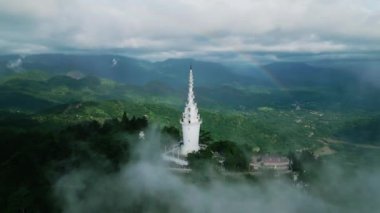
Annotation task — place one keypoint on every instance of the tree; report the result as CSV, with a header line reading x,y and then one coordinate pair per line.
x,y
235,158
205,137
171,131
200,160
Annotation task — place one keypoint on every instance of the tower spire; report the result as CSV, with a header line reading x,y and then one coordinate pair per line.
x,y
190,96
191,120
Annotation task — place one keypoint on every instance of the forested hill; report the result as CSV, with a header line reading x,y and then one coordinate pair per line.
x,y
61,112
78,87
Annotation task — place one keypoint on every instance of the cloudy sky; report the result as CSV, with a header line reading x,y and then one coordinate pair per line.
x,y
212,29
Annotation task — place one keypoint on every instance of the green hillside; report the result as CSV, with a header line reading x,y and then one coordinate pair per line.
x,y
265,119
55,122
247,110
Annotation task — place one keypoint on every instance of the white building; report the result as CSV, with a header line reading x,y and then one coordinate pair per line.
x,y
190,121
270,162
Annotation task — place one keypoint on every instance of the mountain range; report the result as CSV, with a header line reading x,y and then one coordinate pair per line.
x,y
278,84
174,71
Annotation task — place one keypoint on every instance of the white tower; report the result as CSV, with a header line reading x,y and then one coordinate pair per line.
x,y
191,122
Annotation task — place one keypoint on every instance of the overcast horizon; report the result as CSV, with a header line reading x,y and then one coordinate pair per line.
x,y
242,31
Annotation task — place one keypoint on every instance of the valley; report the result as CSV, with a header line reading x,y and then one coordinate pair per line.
x,y
258,113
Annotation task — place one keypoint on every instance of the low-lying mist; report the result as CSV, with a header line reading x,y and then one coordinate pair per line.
x,y
144,184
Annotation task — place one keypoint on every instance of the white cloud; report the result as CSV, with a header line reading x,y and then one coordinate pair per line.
x,y
190,27
15,65
114,62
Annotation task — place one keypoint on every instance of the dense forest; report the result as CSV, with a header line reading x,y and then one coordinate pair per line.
x,y
32,158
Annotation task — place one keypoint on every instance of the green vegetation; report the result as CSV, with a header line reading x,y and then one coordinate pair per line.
x,y
230,156
271,128
33,158
363,130
52,123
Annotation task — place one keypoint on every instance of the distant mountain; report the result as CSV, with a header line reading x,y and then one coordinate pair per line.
x,y
291,74
62,78
173,72
205,73
366,71
122,69
17,100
